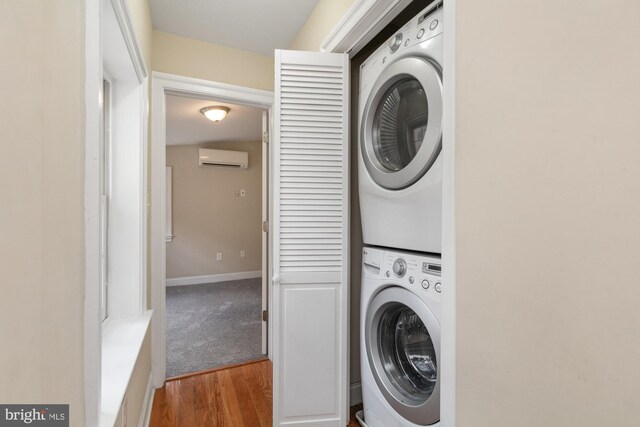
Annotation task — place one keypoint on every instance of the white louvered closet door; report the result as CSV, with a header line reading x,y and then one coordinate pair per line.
x,y
310,230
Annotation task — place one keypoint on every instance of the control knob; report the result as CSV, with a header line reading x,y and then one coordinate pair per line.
x,y
400,267
395,42
438,287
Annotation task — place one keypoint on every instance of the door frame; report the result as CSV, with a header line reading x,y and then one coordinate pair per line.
x,y
359,25
163,84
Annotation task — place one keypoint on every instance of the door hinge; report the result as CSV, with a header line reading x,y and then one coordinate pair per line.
x,y
265,316
265,137
265,226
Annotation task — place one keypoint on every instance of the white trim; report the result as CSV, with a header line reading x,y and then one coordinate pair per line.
x,y
270,239
147,404
363,21
213,278
144,192
168,226
355,393
198,88
158,250
264,236
124,21
94,58
163,84
92,323
121,343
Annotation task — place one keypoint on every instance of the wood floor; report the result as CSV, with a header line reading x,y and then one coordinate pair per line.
x,y
238,396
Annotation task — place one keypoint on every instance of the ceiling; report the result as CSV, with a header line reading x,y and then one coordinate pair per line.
x,y
258,26
187,126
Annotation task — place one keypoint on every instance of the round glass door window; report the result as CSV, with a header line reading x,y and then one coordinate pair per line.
x,y
407,354
399,124
402,341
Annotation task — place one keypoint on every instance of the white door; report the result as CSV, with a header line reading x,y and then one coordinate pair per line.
x,y
310,239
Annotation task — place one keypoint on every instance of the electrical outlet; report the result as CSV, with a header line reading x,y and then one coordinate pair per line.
x,y
236,193
242,192
242,254
219,256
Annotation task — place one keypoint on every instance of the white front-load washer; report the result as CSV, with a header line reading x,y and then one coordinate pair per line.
x,y
400,338
400,138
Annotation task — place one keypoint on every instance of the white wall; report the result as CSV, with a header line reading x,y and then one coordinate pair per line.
x,y
548,208
208,218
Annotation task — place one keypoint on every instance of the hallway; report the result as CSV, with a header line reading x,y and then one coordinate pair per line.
x,y
238,396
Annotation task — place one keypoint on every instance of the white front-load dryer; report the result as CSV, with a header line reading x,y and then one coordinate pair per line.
x,y
400,338
400,138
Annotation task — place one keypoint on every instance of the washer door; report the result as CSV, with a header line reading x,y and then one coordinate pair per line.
x,y
402,338
401,134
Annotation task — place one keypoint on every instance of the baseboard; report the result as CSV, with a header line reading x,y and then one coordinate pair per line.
x,y
355,394
212,278
147,404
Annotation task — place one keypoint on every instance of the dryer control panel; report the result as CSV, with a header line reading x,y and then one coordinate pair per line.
x,y
419,272
420,29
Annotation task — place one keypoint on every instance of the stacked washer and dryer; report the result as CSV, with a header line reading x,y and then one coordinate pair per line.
x,y
400,186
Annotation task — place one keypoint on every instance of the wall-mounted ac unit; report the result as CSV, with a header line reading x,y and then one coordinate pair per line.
x,y
236,159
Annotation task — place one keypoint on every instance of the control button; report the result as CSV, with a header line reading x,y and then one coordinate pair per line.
x,y
438,287
421,33
387,273
395,42
400,267
384,59
433,25
426,284
411,279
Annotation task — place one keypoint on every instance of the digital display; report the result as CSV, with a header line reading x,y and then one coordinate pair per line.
x,y
426,267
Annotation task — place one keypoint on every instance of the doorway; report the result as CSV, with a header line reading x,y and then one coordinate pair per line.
x,y
209,278
213,235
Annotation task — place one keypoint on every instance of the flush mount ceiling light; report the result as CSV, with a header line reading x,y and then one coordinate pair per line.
x,y
215,113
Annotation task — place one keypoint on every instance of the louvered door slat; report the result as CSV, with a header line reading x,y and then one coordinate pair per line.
x,y
311,219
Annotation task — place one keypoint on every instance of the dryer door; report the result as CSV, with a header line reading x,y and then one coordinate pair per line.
x,y
402,338
401,129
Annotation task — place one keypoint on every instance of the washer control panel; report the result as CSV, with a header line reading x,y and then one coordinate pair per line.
x,y
395,42
399,267
418,272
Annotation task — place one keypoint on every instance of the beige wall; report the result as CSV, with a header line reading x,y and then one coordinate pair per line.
x,y
41,188
548,208
193,58
208,218
143,27
324,17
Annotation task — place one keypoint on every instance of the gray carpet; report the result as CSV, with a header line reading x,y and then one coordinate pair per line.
x,y
213,325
